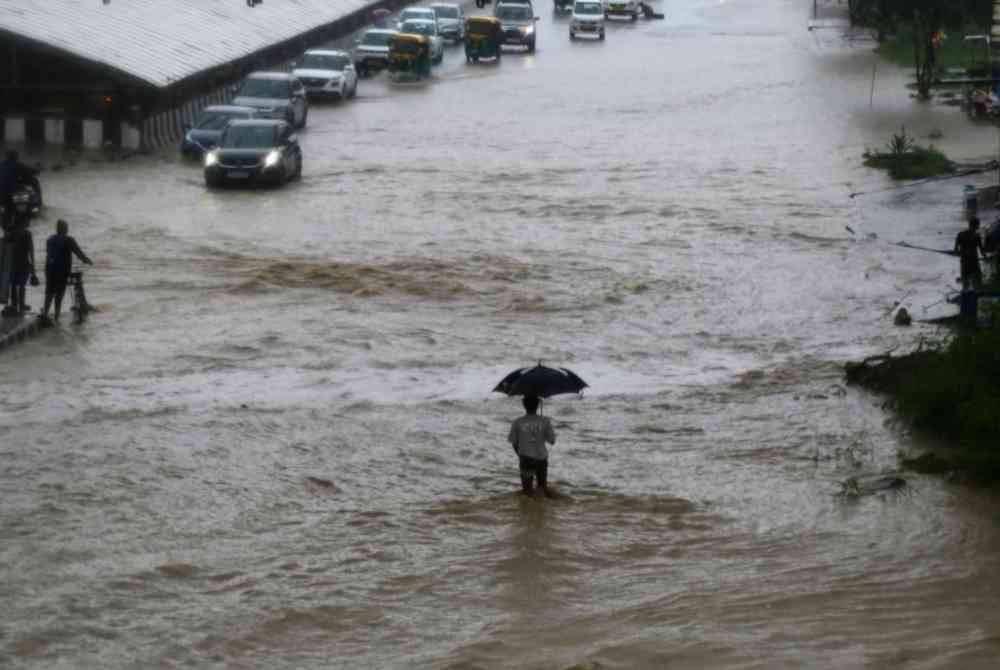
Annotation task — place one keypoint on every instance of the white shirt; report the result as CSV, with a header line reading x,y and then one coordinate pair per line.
x,y
529,434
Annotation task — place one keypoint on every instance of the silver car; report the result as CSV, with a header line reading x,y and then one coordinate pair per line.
x,y
451,21
275,95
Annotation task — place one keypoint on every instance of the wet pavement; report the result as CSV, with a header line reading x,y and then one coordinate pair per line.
x,y
275,442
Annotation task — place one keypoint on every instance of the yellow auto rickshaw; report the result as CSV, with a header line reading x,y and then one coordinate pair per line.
x,y
409,57
483,38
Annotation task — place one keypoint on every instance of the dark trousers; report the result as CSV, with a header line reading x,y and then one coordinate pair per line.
x,y
534,468
55,289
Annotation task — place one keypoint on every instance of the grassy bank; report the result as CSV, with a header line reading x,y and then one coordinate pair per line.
x,y
952,392
915,163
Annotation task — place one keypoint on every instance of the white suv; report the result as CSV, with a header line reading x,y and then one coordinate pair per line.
x,y
588,19
327,73
451,21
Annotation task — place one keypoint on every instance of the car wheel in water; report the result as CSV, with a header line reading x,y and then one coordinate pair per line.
x,y
601,35
572,36
531,47
635,16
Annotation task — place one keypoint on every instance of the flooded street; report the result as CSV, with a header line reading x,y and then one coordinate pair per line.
x,y
275,445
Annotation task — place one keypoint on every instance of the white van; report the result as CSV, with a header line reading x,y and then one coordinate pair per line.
x,y
588,19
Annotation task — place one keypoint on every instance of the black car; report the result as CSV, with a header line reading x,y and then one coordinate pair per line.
x,y
254,151
207,129
518,21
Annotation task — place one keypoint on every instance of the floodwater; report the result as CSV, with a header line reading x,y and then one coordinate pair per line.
x,y
275,445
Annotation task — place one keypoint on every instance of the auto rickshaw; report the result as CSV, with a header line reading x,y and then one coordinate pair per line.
x,y
409,57
483,38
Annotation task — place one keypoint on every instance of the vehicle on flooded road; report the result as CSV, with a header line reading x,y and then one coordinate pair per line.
x,y
415,13
518,24
409,57
483,38
371,51
254,152
588,19
327,73
451,21
204,134
429,30
275,95
629,8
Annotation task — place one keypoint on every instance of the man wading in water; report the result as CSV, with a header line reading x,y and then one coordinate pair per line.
x,y
968,246
528,435
60,249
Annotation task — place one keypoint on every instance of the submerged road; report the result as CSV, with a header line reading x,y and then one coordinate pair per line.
x,y
275,444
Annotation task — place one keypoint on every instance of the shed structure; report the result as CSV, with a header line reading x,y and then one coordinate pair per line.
x,y
130,71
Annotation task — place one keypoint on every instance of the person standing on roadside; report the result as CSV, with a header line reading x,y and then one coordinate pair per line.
x,y
8,184
23,267
59,251
968,247
528,435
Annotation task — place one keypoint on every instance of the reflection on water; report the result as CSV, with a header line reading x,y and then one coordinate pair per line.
x,y
277,445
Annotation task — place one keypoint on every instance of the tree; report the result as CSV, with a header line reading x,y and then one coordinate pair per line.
x,y
926,25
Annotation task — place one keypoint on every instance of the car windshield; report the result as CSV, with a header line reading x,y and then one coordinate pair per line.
x,y
446,12
415,13
324,62
248,137
418,28
209,120
514,13
264,88
588,8
377,39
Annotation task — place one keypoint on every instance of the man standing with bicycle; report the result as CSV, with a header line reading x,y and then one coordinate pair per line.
x,y
59,251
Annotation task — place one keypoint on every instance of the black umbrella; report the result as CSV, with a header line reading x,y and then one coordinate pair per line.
x,y
541,381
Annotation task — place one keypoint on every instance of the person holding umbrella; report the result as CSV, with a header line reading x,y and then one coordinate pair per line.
x,y
528,435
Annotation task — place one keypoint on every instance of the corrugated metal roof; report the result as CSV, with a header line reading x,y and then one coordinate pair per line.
x,y
165,41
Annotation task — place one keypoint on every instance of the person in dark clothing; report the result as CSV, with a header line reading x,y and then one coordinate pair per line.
x,y
968,247
23,266
59,251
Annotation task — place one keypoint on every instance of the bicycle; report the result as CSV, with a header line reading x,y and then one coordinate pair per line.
x,y
80,306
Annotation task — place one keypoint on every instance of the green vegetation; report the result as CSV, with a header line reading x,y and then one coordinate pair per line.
x,y
920,26
954,51
905,159
952,392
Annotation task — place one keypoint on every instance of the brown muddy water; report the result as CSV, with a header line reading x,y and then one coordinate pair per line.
x,y
665,214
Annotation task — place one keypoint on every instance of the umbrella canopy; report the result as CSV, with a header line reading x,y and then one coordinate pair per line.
x,y
540,381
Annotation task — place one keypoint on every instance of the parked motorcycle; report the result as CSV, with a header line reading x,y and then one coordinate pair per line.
x,y
27,201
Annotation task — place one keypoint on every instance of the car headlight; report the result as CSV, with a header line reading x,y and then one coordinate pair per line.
x,y
272,158
529,29
211,158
